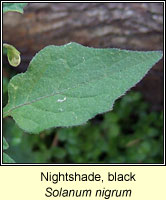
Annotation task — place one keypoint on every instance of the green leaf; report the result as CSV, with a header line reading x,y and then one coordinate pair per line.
x,y
7,159
5,144
68,85
5,85
14,7
13,55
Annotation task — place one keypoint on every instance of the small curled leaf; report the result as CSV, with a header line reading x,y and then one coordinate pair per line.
x,y
13,55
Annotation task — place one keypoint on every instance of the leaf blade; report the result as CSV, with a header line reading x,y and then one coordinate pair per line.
x,y
67,85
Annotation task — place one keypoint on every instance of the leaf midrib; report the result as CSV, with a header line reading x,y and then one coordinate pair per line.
x,y
47,96
5,114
